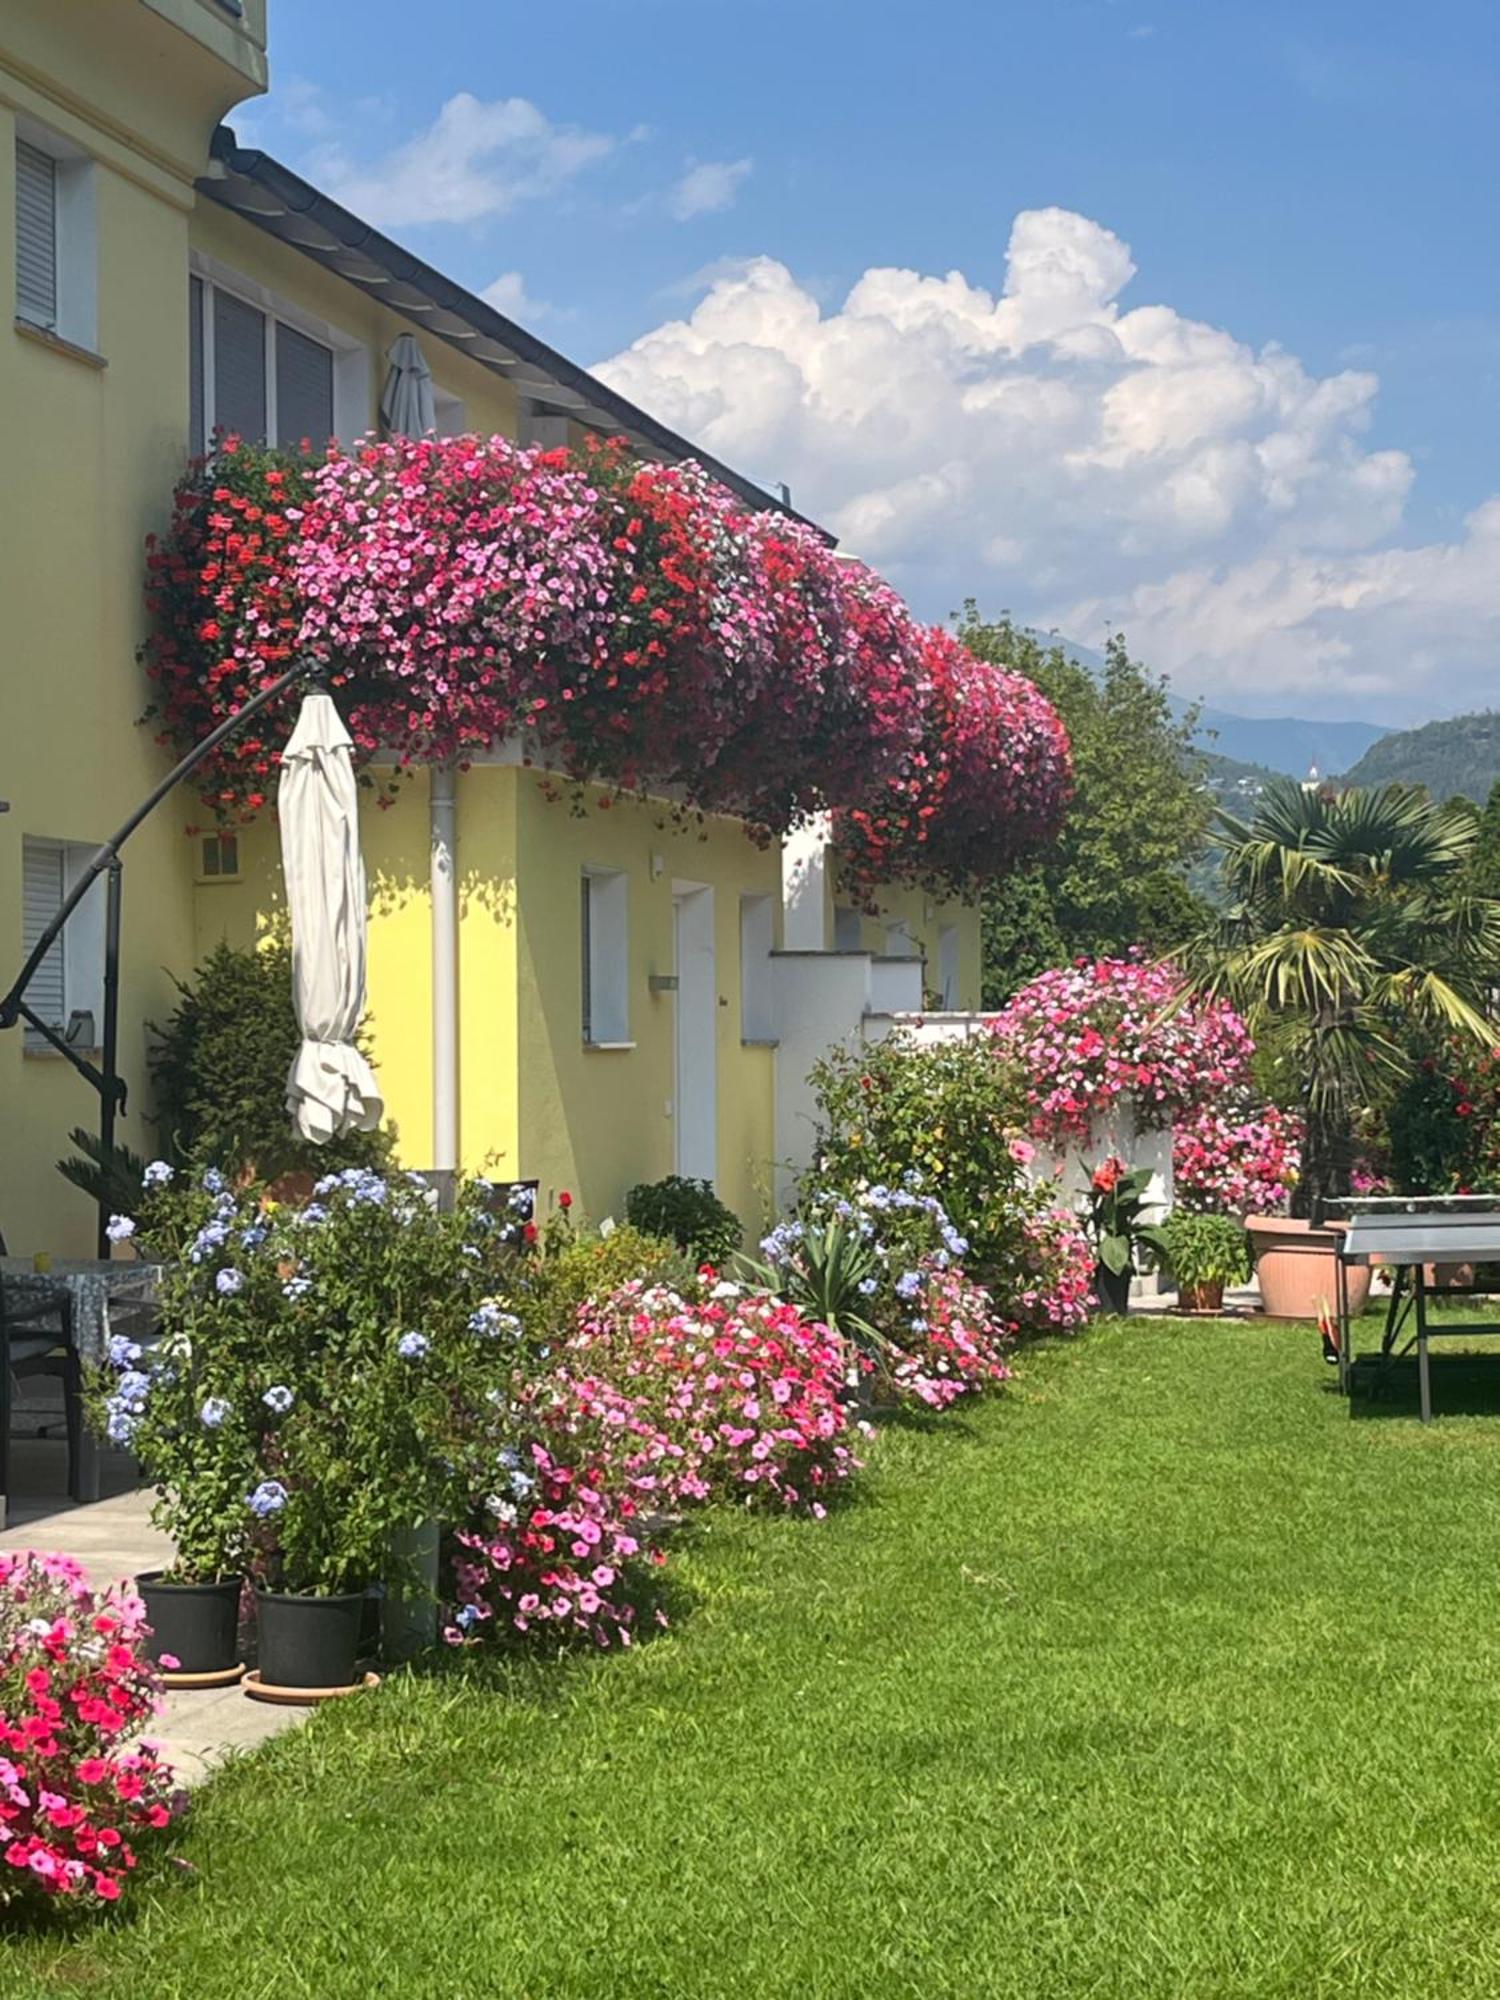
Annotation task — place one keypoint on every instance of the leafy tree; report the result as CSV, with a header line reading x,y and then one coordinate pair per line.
x,y
1117,875
1351,933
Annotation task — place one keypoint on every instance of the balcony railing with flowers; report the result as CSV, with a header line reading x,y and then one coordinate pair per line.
x,y
634,621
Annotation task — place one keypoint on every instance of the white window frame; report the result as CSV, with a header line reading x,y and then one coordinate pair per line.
x,y
604,944
950,966
757,983
218,858
351,358
75,244
81,941
899,940
848,928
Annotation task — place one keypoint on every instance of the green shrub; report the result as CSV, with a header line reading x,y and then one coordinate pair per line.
x,y
689,1214
594,1266
1205,1249
949,1112
219,1068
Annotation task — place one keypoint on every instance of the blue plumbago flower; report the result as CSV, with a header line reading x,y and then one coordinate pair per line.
x,y
313,1214
121,1352
213,1181
482,1186
957,1244
521,1484
119,1228
296,1288
278,1398
471,1251
510,1458
918,1325
844,1210
880,1197
412,1346
133,1386
208,1242
214,1412
158,1174
522,1201
908,1284
268,1498
254,1236
868,1285
492,1321
229,1281
119,1425
467,1615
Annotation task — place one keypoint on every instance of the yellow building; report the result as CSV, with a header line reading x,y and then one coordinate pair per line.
x,y
589,1001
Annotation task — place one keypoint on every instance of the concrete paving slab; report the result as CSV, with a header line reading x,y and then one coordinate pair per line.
x,y
113,1539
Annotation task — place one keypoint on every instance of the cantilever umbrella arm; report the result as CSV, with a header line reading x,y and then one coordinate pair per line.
x,y
106,861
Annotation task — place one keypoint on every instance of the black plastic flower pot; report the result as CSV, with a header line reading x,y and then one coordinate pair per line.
x,y
308,1642
1113,1288
195,1624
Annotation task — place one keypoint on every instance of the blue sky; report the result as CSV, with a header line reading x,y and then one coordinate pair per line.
x,y
1316,182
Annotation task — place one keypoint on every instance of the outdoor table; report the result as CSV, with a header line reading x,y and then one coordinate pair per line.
x,y
1409,1233
93,1284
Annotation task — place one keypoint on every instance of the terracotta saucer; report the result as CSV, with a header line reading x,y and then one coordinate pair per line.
x,y
221,1677
294,1697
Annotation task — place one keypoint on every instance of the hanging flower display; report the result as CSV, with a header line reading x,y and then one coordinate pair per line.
x,y
629,623
990,779
1090,1035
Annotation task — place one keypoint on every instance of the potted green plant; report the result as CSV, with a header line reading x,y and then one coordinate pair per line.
x,y
1119,1201
168,1400
334,1370
1204,1254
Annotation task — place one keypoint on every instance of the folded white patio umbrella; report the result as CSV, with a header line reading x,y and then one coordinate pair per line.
x,y
407,408
331,1088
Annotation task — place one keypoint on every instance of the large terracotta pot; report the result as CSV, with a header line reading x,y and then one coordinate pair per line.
x,y
1296,1267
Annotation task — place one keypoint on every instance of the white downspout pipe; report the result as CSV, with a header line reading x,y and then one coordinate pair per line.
x,y
443,808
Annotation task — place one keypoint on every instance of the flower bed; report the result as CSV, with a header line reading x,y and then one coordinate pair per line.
x,y
75,1688
1115,1031
634,622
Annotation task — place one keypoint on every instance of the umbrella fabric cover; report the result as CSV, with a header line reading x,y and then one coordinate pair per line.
x,y
406,403
331,1088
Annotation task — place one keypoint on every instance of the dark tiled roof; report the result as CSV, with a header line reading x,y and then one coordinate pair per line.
x,y
263,191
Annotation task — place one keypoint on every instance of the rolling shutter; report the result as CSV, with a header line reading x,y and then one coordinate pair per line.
x,y
41,899
36,235
239,368
197,435
304,390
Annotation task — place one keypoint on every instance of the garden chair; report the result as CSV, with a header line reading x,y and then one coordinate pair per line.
x,y
37,1339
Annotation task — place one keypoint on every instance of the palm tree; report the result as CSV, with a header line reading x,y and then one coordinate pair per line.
x,y
1349,923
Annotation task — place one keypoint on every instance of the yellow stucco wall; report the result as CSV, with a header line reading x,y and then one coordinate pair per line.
x,y
925,918
229,241
597,1120
534,1101
92,447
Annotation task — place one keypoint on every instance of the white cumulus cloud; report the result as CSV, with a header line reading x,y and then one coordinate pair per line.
x,y
474,161
708,188
508,295
1085,462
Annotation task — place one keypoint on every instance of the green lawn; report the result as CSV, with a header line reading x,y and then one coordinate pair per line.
x,y
1161,1676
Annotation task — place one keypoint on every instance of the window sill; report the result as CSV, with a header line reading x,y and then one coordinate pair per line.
x,y
760,1041
44,1052
45,337
606,1048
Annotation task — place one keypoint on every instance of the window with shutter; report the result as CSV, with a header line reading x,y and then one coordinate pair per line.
x,y
42,878
304,389
586,939
36,235
239,367
197,427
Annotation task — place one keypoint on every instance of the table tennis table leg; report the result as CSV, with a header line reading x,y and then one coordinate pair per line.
x,y
1424,1379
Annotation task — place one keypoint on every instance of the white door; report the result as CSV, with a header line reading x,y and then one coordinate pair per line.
x,y
697,1032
